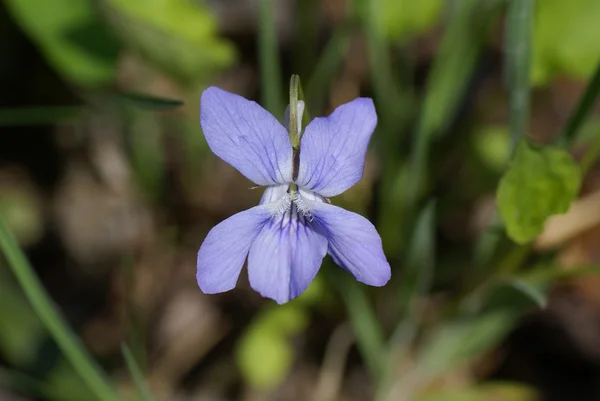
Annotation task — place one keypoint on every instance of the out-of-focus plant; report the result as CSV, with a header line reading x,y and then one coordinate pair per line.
x,y
177,35
565,39
71,37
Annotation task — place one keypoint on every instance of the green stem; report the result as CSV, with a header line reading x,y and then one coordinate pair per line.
x,y
40,301
518,55
583,108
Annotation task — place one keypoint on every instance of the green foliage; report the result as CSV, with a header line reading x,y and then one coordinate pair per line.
x,y
458,341
177,35
136,374
565,39
265,353
70,36
402,18
492,146
539,183
485,392
518,62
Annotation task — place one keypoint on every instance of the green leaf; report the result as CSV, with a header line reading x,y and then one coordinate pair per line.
x,y
137,375
264,353
403,18
270,65
70,36
492,145
565,39
539,183
72,348
179,36
149,102
518,62
459,341
532,292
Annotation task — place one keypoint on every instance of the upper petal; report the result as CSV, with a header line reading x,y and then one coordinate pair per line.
x,y
333,149
224,250
246,136
354,243
285,258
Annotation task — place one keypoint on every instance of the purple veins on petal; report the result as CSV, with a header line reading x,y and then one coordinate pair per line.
x,y
354,243
224,250
286,256
246,136
333,149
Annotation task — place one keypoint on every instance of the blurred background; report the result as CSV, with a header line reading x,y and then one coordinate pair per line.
x,y
108,187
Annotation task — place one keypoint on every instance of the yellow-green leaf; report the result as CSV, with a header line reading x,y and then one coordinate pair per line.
x,y
540,182
179,36
402,18
264,353
565,39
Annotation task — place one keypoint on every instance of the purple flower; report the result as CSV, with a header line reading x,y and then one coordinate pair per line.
x,y
288,234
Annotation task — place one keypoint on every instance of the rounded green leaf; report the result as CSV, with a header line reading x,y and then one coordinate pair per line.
x,y
539,183
264,353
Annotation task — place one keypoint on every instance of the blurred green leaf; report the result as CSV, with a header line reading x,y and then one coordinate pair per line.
x,y
459,341
179,36
40,115
85,366
270,65
149,102
492,145
531,291
366,327
21,332
565,39
455,61
146,147
539,183
326,68
136,374
518,65
264,352
492,391
70,36
584,106
417,274
402,18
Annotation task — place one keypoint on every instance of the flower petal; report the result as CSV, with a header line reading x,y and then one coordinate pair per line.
x,y
246,136
286,257
333,149
224,250
354,243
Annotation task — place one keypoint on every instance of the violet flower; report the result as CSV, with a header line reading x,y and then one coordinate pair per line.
x,y
288,234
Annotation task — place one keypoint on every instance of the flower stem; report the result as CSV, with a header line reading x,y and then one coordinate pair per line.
x,y
293,129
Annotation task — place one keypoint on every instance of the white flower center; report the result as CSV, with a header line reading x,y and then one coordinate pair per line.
x,y
290,201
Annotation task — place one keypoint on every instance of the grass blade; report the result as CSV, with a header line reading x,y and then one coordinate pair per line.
x,y
270,72
519,22
447,83
583,108
368,332
327,67
136,373
40,301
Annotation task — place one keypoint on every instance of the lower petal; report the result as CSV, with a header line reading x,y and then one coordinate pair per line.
x,y
354,243
224,250
286,257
